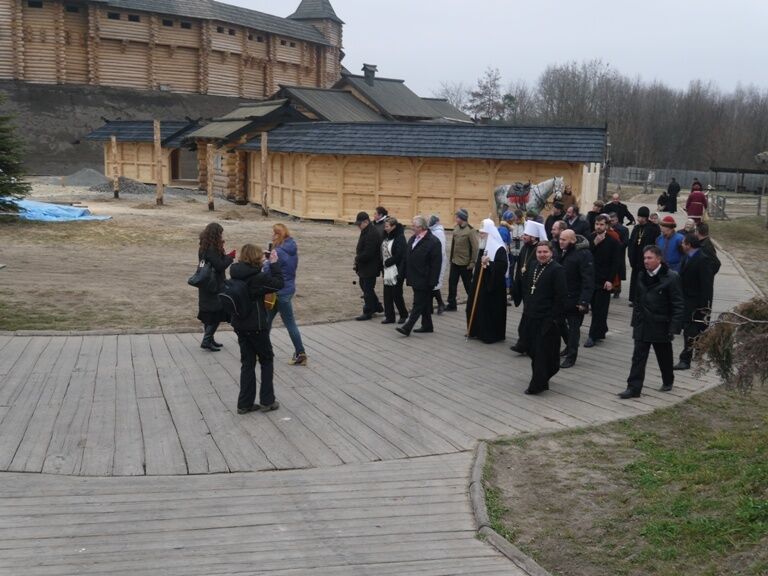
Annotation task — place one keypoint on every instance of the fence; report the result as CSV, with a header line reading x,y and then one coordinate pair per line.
x,y
723,181
727,207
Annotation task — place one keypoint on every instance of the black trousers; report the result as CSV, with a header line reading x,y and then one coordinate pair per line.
x,y
570,331
640,359
422,308
453,282
601,302
253,346
690,331
393,298
633,282
208,331
371,301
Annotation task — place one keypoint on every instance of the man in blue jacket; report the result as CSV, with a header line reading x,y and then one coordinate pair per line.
x,y
670,243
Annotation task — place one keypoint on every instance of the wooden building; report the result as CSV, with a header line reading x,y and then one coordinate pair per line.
x,y
134,154
331,171
197,46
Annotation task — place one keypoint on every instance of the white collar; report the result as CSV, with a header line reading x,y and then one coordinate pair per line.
x,y
654,272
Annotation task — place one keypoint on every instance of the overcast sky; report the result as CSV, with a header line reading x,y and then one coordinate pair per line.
x,y
426,42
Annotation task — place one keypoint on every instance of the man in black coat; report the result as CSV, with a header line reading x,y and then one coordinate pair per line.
x,y
576,258
423,261
707,246
656,317
623,233
379,217
606,253
576,222
621,210
368,265
643,234
557,214
672,191
698,281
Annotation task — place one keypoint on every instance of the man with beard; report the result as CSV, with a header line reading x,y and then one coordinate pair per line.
x,y
487,304
606,253
574,221
698,279
656,317
557,215
557,229
463,251
543,307
643,234
532,235
423,261
620,209
368,265
597,209
576,259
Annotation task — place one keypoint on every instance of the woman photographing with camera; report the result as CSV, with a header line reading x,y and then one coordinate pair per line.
x,y
210,311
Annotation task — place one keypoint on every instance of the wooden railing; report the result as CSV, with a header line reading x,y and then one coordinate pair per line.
x,y
726,207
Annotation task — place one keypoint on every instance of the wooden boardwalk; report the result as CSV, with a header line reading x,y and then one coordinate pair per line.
x,y
124,454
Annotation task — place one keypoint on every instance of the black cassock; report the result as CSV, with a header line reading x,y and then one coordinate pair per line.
x,y
543,309
490,320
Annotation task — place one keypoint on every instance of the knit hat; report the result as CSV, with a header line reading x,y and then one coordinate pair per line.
x,y
434,219
508,215
361,217
463,214
669,222
643,212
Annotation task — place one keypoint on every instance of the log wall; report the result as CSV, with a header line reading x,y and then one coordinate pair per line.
x,y
58,42
338,187
135,160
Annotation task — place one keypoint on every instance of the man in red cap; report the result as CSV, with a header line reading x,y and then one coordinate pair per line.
x,y
670,243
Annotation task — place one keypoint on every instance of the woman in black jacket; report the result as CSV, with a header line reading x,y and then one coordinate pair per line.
x,y
253,330
210,311
393,256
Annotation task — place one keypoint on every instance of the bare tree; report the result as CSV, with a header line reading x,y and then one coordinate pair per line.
x,y
456,93
485,101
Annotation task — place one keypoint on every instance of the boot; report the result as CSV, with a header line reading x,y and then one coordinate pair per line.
x,y
207,342
440,304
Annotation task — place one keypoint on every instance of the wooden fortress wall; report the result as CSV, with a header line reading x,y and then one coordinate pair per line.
x,y
76,42
136,160
338,187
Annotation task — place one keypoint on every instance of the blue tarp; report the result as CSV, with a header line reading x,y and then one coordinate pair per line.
x,y
42,212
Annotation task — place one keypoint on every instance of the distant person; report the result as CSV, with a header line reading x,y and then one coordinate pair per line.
x,y
393,255
656,317
707,246
423,262
288,253
533,234
689,227
487,304
620,209
514,223
368,265
662,202
210,311
558,213
439,232
623,236
557,229
697,203
464,243
698,279
670,243
606,254
654,218
379,217
643,234
672,192
544,301
568,199
576,222
597,209
576,259
253,330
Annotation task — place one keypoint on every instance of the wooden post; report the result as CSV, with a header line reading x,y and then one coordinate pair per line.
x,y
114,167
159,164
210,164
264,174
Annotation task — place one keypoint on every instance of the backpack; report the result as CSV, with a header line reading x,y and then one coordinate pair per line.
x,y
235,299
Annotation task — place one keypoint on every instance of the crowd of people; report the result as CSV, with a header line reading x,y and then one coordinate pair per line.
x,y
559,270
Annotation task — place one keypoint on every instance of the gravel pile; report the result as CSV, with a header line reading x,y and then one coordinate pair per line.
x,y
128,186
85,177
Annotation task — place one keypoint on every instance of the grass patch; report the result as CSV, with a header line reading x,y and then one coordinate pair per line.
x,y
745,239
683,491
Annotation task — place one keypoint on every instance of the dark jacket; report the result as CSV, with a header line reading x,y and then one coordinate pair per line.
x,y
698,279
579,274
659,307
580,226
288,254
607,258
708,247
550,221
209,301
620,210
399,247
673,189
368,253
547,301
423,263
525,261
260,282
642,235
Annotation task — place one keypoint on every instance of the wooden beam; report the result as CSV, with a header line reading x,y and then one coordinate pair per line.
x,y
93,41
60,44
205,56
18,40
159,164
264,174
154,27
114,166
210,163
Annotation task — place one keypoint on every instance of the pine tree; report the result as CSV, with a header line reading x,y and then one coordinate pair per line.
x,y
12,185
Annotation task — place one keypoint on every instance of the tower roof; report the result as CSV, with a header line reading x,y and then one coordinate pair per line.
x,y
315,10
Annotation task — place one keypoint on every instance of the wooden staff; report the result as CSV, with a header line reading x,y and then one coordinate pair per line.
x,y
474,301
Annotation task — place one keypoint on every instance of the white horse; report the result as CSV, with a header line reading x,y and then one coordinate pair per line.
x,y
527,196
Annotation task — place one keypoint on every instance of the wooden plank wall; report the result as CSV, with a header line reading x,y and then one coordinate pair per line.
x,y
68,42
336,188
135,160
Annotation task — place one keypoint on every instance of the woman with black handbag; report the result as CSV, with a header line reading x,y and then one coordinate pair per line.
x,y
210,311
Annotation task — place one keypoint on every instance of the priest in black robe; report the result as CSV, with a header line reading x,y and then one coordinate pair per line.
x,y
544,297
533,234
488,296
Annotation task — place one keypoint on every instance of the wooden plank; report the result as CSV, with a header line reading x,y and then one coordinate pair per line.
x,y
99,451
145,374
163,454
129,439
21,359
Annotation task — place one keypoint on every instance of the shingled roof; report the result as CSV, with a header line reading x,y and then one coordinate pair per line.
x,y
427,140
212,10
444,109
171,132
247,117
331,105
391,96
315,10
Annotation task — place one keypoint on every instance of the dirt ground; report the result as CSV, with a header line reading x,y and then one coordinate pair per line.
x,y
130,272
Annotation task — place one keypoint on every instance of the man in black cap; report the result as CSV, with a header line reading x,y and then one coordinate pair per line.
x,y
464,247
557,214
368,265
643,234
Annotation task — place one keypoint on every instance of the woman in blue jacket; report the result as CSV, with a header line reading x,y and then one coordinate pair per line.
x,y
288,253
